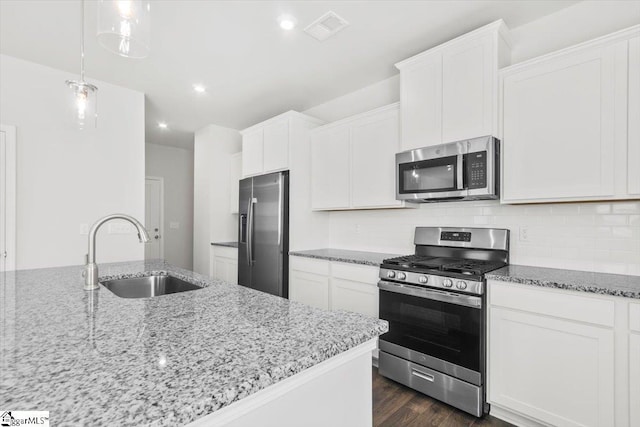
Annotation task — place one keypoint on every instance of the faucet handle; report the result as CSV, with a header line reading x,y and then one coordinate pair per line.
x,y
86,259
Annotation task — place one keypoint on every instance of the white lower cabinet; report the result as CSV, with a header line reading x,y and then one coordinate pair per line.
x,y
309,288
334,285
224,264
634,364
560,358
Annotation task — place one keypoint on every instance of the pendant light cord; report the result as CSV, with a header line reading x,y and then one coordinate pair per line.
x,y
82,41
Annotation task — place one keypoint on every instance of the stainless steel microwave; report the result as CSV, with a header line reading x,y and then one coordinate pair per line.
x,y
463,170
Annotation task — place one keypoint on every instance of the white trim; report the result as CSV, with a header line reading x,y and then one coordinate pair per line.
x,y
284,116
162,236
609,39
498,26
394,107
10,197
271,393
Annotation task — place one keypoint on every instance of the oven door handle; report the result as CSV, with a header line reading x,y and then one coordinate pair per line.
x,y
417,291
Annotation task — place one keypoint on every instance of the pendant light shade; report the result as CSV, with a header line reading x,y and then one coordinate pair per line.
x,y
124,27
83,100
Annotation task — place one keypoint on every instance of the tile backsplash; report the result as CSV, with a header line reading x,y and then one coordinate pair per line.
x,y
602,237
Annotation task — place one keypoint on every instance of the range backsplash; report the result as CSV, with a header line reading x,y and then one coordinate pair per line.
x,y
602,237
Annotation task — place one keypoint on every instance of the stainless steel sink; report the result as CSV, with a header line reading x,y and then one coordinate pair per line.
x,y
149,286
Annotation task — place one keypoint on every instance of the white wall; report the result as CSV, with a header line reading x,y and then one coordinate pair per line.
x,y
586,236
175,165
212,219
67,177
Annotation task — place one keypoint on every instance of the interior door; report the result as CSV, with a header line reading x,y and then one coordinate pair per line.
x,y
7,198
153,218
269,233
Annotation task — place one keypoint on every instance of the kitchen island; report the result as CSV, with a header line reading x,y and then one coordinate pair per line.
x,y
221,355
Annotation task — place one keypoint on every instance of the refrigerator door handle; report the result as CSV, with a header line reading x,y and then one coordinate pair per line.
x,y
252,201
280,211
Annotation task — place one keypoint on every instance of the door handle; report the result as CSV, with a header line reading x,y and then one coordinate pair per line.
x,y
252,201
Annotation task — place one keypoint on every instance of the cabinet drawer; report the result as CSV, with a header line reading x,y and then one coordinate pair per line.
x,y
634,317
354,296
309,265
551,303
226,252
357,273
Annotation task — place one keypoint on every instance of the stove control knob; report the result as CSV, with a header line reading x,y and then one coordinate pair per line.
x,y
447,283
423,279
401,276
391,274
461,284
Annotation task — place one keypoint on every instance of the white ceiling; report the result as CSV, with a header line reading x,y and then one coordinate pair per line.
x,y
251,67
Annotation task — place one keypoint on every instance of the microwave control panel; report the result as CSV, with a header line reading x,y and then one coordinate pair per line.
x,y
475,170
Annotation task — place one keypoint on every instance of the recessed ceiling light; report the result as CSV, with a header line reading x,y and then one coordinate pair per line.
x,y
287,22
162,125
199,88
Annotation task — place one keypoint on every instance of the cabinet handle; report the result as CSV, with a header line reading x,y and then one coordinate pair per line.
x,y
422,375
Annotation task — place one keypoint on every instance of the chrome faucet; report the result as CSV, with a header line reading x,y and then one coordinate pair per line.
x,y
90,272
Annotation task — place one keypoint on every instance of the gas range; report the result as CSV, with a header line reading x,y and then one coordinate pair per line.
x,y
450,258
464,275
435,305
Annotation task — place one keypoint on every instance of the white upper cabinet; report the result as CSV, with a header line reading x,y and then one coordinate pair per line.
x,y
330,168
421,103
450,92
276,146
252,150
633,161
235,172
374,143
266,147
353,162
564,124
469,77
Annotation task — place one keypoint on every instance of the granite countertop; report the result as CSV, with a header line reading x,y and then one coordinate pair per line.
x,y
599,283
343,255
92,358
226,244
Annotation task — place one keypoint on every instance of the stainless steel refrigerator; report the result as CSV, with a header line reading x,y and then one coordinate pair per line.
x,y
263,233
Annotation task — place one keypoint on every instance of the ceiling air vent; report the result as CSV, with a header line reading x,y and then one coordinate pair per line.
x,y
326,26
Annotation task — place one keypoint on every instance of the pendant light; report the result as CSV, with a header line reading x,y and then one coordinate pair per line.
x,y
124,27
84,95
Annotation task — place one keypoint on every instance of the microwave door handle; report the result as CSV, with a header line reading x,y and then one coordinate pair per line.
x,y
460,176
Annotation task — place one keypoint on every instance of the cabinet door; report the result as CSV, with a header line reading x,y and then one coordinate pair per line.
x,y
232,271
235,173
633,150
421,103
309,288
469,73
374,143
276,146
557,371
354,296
252,153
219,268
558,128
634,379
330,168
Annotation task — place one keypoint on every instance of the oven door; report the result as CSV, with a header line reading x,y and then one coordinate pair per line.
x,y
438,329
431,173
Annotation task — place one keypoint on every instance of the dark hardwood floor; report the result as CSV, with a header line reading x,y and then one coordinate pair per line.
x,y
395,405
